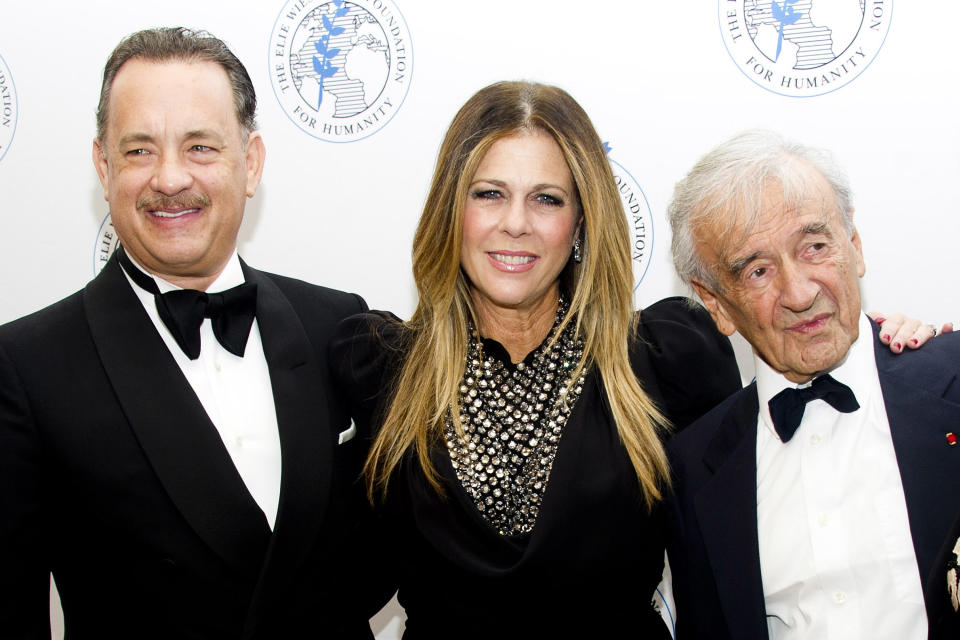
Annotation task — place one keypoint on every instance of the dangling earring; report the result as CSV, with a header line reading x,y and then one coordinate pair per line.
x,y
577,256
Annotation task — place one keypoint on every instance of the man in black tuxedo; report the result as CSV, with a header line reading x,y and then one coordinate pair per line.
x,y
814,502
181,481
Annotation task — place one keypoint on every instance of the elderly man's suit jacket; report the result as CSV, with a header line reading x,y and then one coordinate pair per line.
x,y
113,477
713,543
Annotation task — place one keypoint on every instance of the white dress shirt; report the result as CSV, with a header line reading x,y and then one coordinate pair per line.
x,y
836,554
235,392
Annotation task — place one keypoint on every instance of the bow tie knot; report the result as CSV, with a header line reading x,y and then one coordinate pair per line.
x,y
787,407
231,312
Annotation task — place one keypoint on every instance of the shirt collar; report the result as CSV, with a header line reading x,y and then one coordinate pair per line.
x,y
231,276
856,371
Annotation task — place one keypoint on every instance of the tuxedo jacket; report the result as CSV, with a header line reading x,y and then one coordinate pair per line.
x,y
712,543
113,477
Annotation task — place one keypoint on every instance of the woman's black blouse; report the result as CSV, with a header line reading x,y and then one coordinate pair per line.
x,y
595,556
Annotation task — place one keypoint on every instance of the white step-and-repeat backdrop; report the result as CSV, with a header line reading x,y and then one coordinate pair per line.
x,y
873,80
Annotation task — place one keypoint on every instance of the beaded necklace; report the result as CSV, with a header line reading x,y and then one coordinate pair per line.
x,y
513,417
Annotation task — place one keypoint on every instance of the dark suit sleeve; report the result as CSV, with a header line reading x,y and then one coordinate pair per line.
x,y
365,355
694,368
24,571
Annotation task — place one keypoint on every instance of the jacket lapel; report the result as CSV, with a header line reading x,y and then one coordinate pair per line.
x,y
180,441
920,418
726,508
298,379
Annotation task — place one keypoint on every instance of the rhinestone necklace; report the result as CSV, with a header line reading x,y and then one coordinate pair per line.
x,y
513,417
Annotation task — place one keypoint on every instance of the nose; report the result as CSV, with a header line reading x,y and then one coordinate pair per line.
x,y
515,220
799,289
171,175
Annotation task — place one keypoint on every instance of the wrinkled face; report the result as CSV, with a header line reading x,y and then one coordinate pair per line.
x,y
176,167
519,224
789,285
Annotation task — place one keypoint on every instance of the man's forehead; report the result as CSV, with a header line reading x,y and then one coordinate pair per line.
x,y
170,86
741,234
141,75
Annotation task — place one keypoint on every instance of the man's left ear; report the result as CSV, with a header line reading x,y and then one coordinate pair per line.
x,y
255,155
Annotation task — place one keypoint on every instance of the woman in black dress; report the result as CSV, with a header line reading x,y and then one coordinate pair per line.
x,y
519,413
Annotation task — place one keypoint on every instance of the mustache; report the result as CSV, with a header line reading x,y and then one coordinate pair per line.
x,y
179,201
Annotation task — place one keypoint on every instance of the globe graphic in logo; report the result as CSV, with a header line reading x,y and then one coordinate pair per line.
x,y
340,70
803,48
340,58
804,34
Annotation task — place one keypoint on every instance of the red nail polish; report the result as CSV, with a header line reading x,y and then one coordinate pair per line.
x,y
881,320
896,345
885,338
914,341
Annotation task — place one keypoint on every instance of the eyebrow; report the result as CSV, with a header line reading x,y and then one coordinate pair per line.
x,y
536,187
135,137
200,133
146,137
499,183
736,267
815,228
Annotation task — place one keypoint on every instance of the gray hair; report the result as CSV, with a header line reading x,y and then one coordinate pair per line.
x,y
727,184
180,44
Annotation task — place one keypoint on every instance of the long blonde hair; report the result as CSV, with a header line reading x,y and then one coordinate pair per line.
x,y
599,288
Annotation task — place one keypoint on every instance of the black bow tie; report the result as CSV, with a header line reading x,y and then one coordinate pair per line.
x,y
231,312
786,408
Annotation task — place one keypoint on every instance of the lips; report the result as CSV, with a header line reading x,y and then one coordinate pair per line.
x,y
812,325
512,261
172,214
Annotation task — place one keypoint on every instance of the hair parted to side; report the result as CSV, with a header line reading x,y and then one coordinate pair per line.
x,y
599,289
186,45
727,184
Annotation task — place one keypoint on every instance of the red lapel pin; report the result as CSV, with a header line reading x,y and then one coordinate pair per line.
x,y
951,438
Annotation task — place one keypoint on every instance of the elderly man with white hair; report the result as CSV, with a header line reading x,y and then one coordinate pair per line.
x,y
814,503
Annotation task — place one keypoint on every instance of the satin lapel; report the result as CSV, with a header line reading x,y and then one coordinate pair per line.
x,y
919,419
299,382
179,440
726,509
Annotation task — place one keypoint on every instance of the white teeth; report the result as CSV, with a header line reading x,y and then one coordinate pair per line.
x,y
170,214
512,259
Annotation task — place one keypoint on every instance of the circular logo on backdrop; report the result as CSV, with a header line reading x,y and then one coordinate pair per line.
x,y
8,108
340,69
639,218
107,241
803,48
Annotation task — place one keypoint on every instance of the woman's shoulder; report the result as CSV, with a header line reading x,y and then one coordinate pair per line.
x,y
368,328
366,350
693,364
676,329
